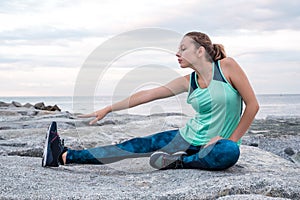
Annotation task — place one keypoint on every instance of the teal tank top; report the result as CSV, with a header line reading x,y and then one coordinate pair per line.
x,y
218,109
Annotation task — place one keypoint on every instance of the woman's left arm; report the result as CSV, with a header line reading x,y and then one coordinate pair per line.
x,y
240,82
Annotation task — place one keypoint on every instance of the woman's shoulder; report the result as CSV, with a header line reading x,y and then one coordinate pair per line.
x,y
229,68
228,65
228,61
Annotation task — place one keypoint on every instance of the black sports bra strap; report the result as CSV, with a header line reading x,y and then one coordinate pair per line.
x,y
217,73
193,83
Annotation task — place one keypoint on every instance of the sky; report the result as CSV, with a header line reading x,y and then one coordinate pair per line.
x,y
44,44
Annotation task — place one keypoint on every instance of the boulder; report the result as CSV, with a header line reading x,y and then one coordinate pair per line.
x,y
289,151
28,105
39,106
52,108
55,108
3,104
16,104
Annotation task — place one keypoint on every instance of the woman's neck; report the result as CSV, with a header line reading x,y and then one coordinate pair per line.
x,y
204,73
203,69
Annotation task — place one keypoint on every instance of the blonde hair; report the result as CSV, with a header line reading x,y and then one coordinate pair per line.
x,y
214,52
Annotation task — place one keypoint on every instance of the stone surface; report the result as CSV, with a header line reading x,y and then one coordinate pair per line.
x,y
259,174
250,197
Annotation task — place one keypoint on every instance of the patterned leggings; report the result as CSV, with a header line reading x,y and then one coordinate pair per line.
x,y
221,155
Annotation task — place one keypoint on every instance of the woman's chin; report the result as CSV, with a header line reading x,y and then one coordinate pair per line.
x,y
183,66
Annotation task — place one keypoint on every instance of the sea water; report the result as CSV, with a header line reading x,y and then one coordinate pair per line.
x,y
275,105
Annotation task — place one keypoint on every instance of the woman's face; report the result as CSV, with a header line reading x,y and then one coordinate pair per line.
x,y
187,53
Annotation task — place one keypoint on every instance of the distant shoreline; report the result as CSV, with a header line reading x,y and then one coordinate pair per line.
x,y
271,105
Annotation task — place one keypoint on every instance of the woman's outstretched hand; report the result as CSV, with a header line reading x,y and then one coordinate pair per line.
x,y
99,114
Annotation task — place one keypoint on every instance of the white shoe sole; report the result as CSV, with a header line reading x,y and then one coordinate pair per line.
x,y
44,161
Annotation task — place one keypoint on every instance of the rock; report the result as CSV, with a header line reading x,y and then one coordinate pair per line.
x,y
259,174
16,104
48,108
28,105
7,113
40,106
253,144
3,104
55,108
249,197
289,151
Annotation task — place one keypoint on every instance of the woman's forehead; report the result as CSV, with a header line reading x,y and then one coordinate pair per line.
x,y
186,41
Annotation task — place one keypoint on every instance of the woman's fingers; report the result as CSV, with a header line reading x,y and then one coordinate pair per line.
x,y
94,114
88,115
98,115
93,121
213,140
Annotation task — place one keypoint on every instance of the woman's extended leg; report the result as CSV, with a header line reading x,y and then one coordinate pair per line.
x,y
168,141
219,156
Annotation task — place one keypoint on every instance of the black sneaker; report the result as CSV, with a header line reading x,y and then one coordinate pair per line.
x,y
53,148
162,160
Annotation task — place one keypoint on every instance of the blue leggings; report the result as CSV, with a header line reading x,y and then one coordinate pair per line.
x,y
221,155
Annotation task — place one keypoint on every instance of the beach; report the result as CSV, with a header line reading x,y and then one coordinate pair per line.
x,y
268,167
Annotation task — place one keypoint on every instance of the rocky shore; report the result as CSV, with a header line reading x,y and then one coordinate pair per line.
x,y
268,167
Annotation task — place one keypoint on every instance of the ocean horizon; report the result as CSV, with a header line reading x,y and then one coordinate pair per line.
x,y
271,105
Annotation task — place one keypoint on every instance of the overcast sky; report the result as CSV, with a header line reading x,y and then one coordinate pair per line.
x,y
45,43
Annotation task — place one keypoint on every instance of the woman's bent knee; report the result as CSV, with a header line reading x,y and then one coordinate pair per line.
x,y
228,153
223,154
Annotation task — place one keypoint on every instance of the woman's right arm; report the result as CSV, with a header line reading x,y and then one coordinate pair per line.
x,y
177,86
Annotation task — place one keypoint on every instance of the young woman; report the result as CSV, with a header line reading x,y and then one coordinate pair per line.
x,y
208,141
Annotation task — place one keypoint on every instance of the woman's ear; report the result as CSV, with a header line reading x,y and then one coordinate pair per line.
x,y
201,51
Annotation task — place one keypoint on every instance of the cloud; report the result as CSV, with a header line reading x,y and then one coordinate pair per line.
x,y
219,17
43,35
54,81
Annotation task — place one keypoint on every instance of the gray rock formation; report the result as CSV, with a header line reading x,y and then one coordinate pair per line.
x,y
257,173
